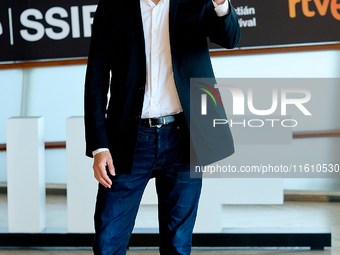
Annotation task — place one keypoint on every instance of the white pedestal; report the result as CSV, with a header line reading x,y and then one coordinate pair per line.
x,y
217,193
81,184
26,175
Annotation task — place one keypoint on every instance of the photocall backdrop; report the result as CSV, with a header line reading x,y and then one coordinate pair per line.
x,y
40,30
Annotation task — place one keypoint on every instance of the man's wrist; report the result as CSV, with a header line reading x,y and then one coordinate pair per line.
x,y
98,151
221,7
219,2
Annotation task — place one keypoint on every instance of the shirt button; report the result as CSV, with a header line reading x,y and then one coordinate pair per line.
x,y
155,55
155,31
154,102
156,79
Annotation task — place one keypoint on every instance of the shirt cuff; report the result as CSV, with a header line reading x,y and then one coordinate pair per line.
x,y
99,150
222,9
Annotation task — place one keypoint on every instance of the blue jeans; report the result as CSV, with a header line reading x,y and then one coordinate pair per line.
x,y
161,153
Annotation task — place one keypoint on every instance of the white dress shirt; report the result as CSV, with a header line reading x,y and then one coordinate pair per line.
x,y
161,97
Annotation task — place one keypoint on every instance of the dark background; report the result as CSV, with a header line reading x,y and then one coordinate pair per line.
x,y
274,27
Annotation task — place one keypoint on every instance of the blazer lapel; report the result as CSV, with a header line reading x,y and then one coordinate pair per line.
x,y
172,14
138,22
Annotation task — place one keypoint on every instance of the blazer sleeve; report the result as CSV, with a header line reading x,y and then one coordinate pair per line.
x,y
97,85
225,30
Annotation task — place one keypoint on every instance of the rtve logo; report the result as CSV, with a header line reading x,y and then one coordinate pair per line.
x,y
321,7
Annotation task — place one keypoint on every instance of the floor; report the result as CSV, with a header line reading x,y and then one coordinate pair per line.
x,y
289,215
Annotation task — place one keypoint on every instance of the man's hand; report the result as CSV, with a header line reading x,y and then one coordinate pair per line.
x,y
219,2
101,160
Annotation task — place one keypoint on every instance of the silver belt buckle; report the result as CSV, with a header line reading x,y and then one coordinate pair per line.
x,y
159,125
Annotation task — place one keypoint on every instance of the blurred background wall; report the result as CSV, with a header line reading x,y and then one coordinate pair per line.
x,y
57,93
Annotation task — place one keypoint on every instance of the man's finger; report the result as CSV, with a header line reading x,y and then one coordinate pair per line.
x,y
111,168
105,177
101,180
104,183
101,175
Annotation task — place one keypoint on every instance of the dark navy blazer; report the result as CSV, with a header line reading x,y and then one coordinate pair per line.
x,y
117,62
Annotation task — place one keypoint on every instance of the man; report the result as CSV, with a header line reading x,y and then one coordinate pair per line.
x,y
144,53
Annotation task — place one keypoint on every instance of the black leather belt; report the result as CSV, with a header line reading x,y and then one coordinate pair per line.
x,y
160,121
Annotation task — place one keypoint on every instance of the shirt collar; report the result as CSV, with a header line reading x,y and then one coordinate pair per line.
x,y
152,4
